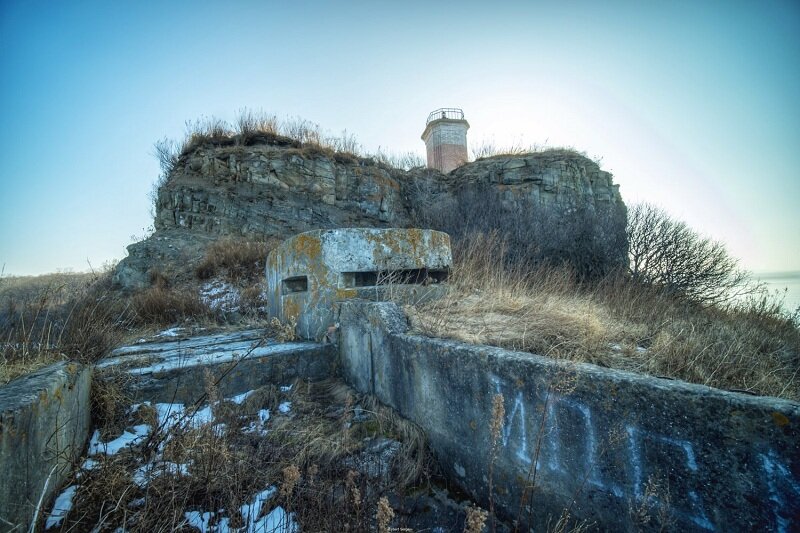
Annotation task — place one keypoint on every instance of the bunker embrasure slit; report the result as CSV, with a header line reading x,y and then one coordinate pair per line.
x,y
413,276
295,284
405,265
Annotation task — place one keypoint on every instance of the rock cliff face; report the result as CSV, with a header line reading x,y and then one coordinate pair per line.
x,y
267,190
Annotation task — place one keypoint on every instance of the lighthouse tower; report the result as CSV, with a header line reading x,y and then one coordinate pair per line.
x,y
445,138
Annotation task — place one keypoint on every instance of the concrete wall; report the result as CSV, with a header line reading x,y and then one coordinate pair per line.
x,y
626,451
44,424
322,265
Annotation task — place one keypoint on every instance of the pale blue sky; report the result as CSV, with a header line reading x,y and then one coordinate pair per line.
x,y
692,105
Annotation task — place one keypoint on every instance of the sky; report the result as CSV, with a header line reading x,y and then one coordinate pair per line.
x,y
692,105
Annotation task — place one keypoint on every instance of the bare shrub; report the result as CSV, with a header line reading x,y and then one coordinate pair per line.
x,y
666,253
403,161
167,151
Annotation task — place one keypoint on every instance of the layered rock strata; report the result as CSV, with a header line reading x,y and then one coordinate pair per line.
x,y
267,190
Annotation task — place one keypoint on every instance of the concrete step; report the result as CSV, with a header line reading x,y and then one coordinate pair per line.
x,y
174,370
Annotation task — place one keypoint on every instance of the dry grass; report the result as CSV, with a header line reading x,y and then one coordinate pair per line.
x,y
487,149
311,456
53,318
235,259
41,323
56,317
239,263
256,128
615,323
58,288
163,306
542,312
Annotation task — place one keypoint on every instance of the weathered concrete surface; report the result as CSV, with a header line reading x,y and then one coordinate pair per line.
x,y
174,371
308,273
44,423
628,452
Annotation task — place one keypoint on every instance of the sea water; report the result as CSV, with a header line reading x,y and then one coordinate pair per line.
x,y
785,284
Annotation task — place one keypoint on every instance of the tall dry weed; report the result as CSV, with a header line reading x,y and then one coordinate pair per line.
x,y
221,464
40,323
615,322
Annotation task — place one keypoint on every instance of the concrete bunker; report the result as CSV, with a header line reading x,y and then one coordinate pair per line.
x,y
308,273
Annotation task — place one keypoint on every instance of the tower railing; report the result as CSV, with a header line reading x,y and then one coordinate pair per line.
x,y
452,113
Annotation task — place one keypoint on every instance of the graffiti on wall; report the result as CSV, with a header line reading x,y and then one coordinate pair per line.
x,y
557,436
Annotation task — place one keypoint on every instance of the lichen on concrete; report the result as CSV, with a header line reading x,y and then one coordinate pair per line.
x,y
310,272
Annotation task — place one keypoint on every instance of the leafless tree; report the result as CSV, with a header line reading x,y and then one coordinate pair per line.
x,y
667,253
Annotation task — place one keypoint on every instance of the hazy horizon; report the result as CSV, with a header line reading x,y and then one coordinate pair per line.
x,y
691,105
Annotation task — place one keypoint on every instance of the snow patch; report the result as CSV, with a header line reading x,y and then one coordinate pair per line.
x,y
171,332
285,407
90,464
220,296
61,507
258,427
199,520
276,521
130,437
240,398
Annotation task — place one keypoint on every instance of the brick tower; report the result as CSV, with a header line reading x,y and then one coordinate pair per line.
x,y
445,138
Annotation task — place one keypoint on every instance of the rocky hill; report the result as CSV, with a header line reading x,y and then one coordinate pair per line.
x,y
273,189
